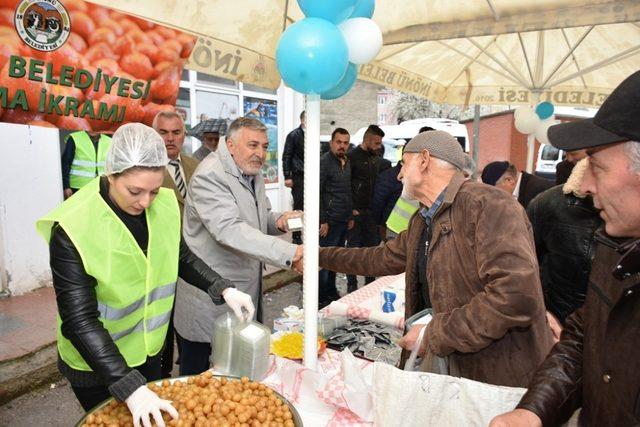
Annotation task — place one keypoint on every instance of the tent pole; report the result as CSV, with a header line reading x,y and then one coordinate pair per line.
x,y
311,227
476,134
531,139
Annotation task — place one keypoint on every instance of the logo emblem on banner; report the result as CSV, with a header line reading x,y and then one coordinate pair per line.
x,y
43,25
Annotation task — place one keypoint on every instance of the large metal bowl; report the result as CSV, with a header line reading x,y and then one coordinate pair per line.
x,y
297,421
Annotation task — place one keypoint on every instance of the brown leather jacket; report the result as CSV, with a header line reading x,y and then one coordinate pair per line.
x,y
483,283
596,364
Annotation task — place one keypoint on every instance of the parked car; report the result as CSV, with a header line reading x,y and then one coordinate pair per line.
x,y
548,158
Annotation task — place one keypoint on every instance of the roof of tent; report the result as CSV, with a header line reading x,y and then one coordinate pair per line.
x,y
461,52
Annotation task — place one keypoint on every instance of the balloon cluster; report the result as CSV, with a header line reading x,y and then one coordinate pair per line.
x,y
536,121
321,53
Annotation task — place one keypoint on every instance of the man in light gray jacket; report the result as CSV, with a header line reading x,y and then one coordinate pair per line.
x,y
229,224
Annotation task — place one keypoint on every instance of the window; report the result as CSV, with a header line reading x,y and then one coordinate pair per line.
x,y
206,78
266,111
550,153
213,105
247,86
382,99
183,106
382,118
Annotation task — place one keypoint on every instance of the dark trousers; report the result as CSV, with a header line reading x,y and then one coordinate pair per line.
x,y
364,234
194,356
327,291
167,352
90,397
297,192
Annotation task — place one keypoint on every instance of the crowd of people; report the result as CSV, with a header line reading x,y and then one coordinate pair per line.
x,y
532,283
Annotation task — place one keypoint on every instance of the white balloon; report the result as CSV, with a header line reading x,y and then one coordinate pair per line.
x,y
543,127
526,120
363,37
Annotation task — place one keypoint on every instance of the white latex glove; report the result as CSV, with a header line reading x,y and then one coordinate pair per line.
x,y
237,300
143,402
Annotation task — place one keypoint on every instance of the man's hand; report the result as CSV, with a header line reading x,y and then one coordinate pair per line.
x,y
288,183
297,262
282,223
350,224
356,212
517,418
324,229
408,341
67,193
555,325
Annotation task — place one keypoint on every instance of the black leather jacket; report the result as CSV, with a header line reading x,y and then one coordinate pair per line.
x,y
293,154
365,168
563,228
78,310
335,190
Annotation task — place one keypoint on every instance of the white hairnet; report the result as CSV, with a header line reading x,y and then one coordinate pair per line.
x,y
135,144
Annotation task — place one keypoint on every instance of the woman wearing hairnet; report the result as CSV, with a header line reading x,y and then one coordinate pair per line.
x,y
116,252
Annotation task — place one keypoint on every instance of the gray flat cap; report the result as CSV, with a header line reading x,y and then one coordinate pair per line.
x,y
441,145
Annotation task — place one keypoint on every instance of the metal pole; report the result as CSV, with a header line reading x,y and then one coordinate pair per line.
x,y
4,282
311,227
476,134
531,139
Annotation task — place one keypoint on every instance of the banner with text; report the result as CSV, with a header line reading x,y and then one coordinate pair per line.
x,y
79,66
415,84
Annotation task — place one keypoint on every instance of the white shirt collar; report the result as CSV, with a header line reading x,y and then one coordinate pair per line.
x,y
516,191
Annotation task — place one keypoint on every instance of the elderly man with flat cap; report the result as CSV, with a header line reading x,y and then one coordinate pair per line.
x,y
468,254
596,364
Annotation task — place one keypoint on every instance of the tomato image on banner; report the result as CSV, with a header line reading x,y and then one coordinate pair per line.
x,y
79,66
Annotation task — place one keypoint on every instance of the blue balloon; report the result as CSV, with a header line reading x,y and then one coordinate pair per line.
x,y
364,9
344,85
312,56
335,11
544,110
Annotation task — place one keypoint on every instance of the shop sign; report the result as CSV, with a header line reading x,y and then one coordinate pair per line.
x,y
81,66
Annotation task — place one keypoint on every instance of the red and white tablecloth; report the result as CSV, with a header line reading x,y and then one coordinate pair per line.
x,y
365,303
319,396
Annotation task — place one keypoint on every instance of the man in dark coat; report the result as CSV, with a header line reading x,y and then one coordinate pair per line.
x,y
522,185
385,195
293,169
366,164
564,222
335,207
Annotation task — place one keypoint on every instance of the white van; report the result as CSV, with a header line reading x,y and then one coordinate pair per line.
x,y
548,158
395,136
410,128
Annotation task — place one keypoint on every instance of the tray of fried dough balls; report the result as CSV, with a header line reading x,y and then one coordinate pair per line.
x,y
207,400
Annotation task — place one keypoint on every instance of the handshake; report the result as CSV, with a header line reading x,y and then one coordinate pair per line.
x,y
298,260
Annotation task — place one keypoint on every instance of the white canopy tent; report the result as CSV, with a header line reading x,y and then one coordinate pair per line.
x,y
569,52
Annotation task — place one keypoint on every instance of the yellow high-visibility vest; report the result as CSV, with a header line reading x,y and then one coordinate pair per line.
x,y
87,162
399,217
135,291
